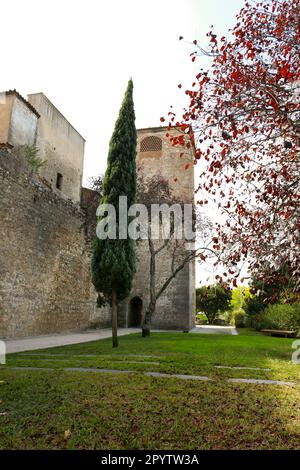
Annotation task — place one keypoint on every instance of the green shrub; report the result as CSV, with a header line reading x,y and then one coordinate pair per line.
x,y
254,321
228,317
31,154
254,305
280,317
240,320
201,319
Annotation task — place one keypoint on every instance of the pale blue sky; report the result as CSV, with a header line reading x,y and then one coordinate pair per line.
x,y
82,53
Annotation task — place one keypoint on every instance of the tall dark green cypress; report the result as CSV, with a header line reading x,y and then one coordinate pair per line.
x,y
113,261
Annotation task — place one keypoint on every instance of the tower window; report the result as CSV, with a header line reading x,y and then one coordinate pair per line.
x,y
151,144
59,181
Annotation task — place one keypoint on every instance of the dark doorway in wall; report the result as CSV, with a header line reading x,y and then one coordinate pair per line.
x,y
135,312
59,181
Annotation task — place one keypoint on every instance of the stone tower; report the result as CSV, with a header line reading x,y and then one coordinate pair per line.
x,y
176,307
60,146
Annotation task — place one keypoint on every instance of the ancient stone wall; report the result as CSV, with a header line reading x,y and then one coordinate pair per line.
x,y
18,120
5,117
90,200
174,163
61,146
176,306
45,280
23,126
46,240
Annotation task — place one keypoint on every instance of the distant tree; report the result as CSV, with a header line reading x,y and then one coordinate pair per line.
x,y
96,183
113,261
239,297
212,300
254,305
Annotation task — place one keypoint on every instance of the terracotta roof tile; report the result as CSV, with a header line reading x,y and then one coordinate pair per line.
x,y
17,94
5,145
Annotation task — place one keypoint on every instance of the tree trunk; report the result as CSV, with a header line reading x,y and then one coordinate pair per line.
x,y
114,318
146,326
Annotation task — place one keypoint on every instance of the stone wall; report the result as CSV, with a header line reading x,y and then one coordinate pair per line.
x,y
176,307
18,120
45,280
23,126
5,117
90,200
61,146
170,162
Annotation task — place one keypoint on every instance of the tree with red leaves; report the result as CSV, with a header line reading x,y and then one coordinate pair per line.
x,y
245,114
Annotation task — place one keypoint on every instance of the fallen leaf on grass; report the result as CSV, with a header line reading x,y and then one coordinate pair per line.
x,y
67,434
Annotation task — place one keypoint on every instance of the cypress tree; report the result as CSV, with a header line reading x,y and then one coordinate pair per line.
x,y
113,261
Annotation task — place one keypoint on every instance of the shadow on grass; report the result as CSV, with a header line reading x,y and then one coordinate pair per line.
x,y
138,412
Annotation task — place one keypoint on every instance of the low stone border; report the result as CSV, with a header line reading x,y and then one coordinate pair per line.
x,y
142,355
61,356
75,369
241,368
158,374
87,369
29,368
107,357
261,381
177,376
56,355
138,362
85,355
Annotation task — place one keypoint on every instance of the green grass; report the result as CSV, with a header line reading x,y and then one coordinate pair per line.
x,y
248,332
132,411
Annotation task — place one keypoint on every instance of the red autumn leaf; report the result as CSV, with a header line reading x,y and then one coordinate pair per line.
x,y
244,110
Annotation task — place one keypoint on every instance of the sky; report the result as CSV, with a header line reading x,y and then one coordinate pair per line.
x,y
80,54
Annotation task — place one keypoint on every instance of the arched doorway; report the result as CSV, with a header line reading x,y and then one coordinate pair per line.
x,y
135,312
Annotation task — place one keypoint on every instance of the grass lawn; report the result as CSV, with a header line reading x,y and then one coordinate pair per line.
x,y
86,410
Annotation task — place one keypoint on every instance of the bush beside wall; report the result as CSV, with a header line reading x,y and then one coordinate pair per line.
x,y
277,317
